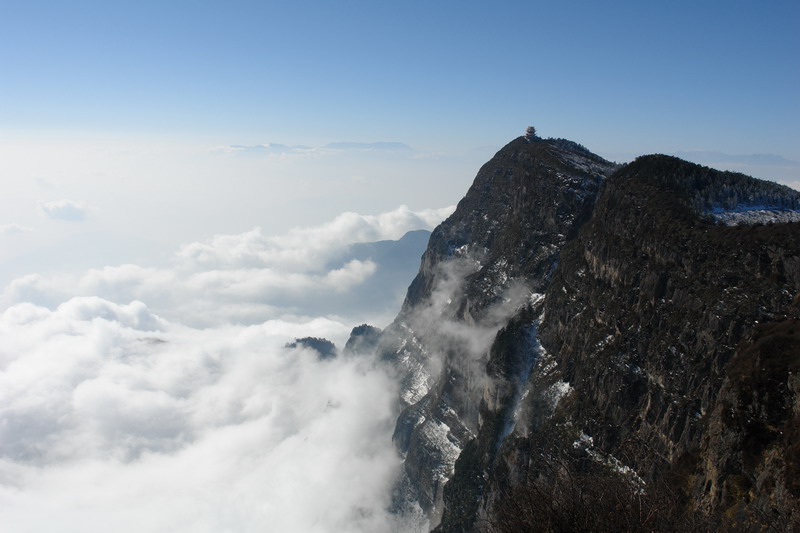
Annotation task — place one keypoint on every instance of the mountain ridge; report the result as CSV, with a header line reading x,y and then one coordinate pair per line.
x,y
566,291
468,287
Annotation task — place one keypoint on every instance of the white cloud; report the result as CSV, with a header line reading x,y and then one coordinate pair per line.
x,y
269,149
64,210
114,419
244,278
13,229
134,398
306,248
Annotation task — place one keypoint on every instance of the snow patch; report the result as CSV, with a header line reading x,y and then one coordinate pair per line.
x,y
747,215
536,297
583,441
417,382
582,163
436,433
586,443
556,391
618,466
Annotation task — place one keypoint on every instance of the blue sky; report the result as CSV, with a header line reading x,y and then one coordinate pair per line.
x,y
620,77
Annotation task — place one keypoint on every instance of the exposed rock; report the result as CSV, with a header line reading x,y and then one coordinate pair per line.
x,y
363,339
325,349
560,314
482,265
650,314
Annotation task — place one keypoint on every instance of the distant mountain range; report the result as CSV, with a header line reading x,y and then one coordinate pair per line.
x,y
396,264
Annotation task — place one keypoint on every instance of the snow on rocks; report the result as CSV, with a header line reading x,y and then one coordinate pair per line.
x,y
556,391
751,215
437,433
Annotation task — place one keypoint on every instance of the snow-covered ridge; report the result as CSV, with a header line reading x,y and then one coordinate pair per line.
x,y
747,215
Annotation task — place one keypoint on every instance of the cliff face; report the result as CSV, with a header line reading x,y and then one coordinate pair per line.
x,y
560,313
487,261
678,339
520,210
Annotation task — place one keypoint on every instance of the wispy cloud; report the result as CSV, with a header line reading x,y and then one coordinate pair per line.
x,y
265,149
64,210
13,229
283,150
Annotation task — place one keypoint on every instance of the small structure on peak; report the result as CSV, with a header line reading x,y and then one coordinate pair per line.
x,y
530,134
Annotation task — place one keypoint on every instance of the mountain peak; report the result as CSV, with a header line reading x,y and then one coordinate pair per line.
x,y
576,313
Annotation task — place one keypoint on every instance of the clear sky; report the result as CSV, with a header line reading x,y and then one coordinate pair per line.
x,y
622,76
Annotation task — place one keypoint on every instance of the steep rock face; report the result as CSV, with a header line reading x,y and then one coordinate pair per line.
x,y
363,339
656,315
519,211
325,349
483,264
630,327
662,333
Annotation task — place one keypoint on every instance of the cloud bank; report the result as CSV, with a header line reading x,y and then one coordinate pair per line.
x,y
195,417
116,420
245,278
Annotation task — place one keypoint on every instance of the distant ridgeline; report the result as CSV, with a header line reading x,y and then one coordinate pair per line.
x,y
728,197
590,347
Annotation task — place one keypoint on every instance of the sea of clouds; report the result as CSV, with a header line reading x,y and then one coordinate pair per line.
x,y
141,399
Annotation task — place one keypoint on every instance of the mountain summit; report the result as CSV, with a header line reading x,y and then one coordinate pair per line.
x,y
575,323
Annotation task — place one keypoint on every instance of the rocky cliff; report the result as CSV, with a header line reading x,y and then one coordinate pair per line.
x,y
574,313
492,257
